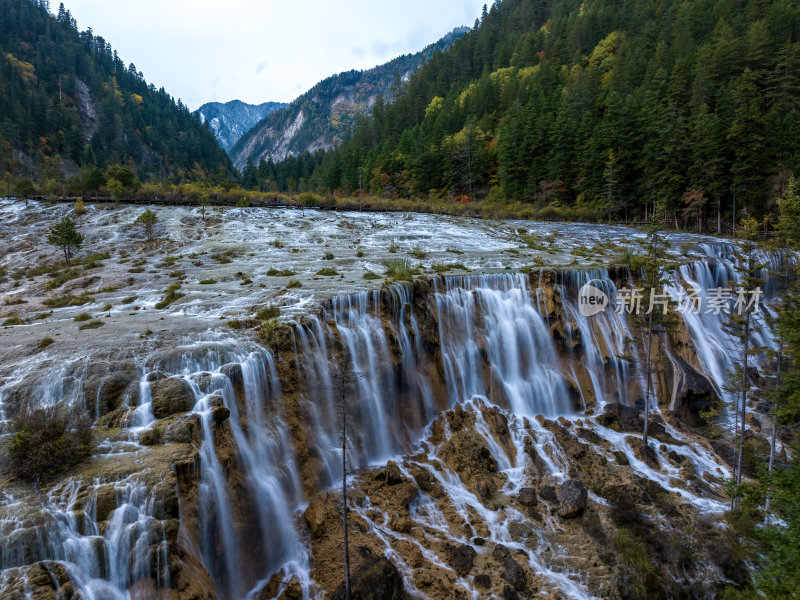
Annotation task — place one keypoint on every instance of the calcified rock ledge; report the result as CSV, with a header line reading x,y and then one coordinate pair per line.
x,y
494,431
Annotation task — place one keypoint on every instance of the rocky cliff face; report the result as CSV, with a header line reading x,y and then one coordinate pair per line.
x,y
231,120
494,437
322,117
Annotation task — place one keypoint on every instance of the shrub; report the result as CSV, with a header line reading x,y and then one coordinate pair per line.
x,y
328,256
80,207
49,440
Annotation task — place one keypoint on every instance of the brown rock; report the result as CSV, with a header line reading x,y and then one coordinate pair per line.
x,y
460,558
170,396
316,517
572,498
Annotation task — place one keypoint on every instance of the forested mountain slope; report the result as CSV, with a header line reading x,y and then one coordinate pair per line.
x,y
66,98
606,104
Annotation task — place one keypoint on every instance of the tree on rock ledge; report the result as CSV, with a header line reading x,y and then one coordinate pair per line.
x,y
64,235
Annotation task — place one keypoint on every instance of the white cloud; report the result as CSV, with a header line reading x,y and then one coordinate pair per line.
x,y
267,50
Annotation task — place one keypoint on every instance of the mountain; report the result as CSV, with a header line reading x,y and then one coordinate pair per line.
x,y
322,118
231,120
606,105
66,98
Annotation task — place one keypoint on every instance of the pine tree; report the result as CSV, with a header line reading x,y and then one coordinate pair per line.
x,y
65,235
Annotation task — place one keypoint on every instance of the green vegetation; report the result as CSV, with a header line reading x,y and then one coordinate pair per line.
x,y
371,275
328,271
293,283
280,273
586,110
208,281
67,300
94,324
45,342
147,220
171,294
64,235
82,317
47,441
46,67
328,256
400,268
13,320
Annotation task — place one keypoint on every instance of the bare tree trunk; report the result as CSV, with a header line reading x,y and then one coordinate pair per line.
x,y
744,399
344,493
649,378
778,381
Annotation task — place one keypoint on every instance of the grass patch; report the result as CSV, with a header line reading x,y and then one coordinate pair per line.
x,y
454,251
129,300
328,271
61,277
82,317
171,294
13,320
95,260
371,275
442,267
400,268
328,255
280,273
418,252
293,283
44,342
209,281
68,300
14,301
278,244
91,324
394,248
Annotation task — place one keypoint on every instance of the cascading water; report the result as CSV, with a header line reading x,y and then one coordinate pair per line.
x,y
500,360
495,314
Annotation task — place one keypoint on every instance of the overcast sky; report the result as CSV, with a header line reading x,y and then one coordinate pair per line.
x,y
263,50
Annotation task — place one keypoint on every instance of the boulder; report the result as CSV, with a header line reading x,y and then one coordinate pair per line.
x,y
461,558
316,518
527,497
171,395
393,473
572,498
181,431
619,416
548,493
376,579
220,414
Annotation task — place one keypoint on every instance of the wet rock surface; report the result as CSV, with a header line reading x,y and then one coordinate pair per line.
x,y
489,468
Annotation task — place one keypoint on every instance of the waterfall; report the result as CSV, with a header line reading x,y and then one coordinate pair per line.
x,y
506,348
132,548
